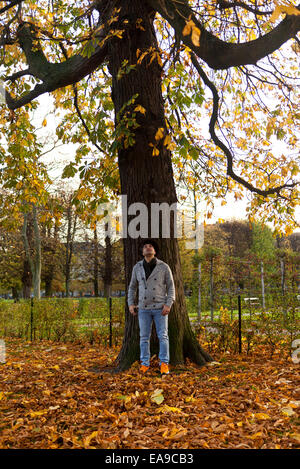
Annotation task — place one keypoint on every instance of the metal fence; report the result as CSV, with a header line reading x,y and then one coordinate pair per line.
x,y
102,320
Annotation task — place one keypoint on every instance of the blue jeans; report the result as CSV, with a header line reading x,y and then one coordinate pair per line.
x,y
161,324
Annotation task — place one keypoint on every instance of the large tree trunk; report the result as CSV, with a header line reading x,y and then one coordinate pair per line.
x,y
146,178
51,246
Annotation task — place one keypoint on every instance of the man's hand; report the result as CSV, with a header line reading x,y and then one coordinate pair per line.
x,y
133,310
165,310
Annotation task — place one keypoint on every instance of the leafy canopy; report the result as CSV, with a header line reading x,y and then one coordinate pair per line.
x,y
230,81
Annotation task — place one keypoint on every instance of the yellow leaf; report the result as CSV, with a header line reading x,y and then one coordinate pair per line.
x,y
155,151
290,10
166,408
37,413
281,8
189,28
261,416
44,123
88,439
256,435
275,15
159,134
190,398
168,143
296,436
196,36
175,433
56,367
140,109
167,140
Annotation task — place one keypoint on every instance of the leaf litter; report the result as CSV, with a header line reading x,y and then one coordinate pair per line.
x,y
50,400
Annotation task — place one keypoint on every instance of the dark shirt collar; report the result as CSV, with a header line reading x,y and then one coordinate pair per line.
x,y
152,262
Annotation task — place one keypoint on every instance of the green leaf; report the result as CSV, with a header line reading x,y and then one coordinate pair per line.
x,y
69,171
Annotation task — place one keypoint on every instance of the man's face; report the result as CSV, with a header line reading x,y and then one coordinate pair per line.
x,y
148,249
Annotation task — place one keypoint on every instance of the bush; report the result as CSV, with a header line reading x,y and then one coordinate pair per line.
x,y
62,319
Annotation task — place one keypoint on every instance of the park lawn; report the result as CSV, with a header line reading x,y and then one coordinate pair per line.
x,y
51,398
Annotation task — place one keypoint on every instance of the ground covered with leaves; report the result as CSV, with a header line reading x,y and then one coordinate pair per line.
x,y
50,398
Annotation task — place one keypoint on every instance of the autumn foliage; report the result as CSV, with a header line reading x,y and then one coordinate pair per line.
x,y
55,395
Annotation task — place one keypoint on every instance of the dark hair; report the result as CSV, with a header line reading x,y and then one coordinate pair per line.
x,y
149,241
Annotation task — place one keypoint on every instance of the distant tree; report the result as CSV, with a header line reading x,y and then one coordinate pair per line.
x,y
263,247
11,257
294,240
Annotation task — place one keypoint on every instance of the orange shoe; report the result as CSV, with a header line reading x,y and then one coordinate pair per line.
x,y
164,369
144,368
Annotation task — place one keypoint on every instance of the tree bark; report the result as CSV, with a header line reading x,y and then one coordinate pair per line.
x,y
34,264
146,178
38,257
26,279
71,230
51,246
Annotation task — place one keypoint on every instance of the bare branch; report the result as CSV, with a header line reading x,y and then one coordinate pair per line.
x,y
224,148
76,105
223,5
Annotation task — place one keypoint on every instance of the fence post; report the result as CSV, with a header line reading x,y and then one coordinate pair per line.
x,y
110,323
240,324
31,318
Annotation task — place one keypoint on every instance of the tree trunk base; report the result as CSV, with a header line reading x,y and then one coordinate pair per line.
x,y
181,349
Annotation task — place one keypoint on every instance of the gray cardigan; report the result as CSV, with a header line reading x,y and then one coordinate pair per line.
x,y
156,291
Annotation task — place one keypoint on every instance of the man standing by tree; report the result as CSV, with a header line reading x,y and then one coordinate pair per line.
x,y
145,58
156,295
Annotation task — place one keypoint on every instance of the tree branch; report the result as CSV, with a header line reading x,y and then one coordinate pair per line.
x,y
220,54
52,75
10,5
223,5
223,147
